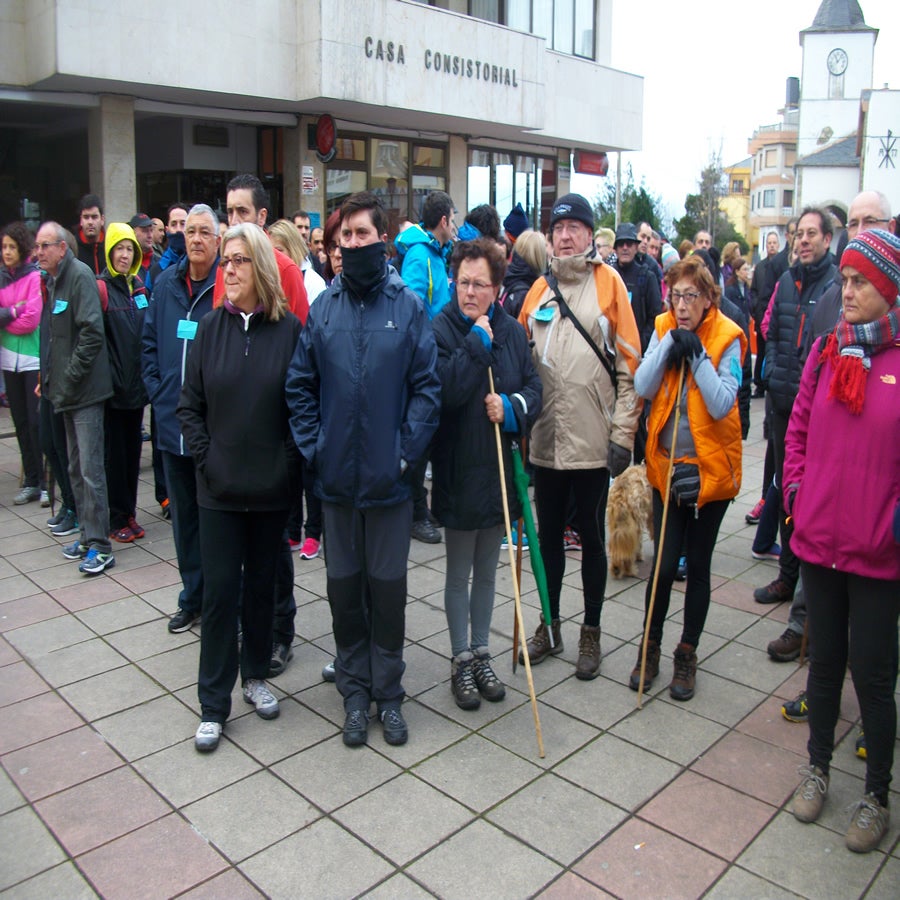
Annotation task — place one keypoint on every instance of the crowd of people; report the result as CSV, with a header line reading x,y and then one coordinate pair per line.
x,y
335,370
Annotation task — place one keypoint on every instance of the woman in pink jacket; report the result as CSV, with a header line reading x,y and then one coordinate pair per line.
x,y
20,315
842,487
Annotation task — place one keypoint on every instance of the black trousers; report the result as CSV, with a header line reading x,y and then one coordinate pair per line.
x,y
552,489
23,405
788,564
852,618
697,534
232,545
124,443
53,443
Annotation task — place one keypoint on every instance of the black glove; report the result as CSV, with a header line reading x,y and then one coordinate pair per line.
x,y
617,459
685,346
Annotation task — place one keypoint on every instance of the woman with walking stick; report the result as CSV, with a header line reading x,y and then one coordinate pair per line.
x,y
476,336
691,372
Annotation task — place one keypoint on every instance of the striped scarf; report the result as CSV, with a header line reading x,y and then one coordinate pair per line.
x,y
850,349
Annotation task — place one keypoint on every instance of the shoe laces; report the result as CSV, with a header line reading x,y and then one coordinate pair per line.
x,y
208,729
484,671
587,643
356,718
865,813
812,782
258,691
465,677
391,718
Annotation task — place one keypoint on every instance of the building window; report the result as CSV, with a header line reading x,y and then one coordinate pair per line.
x,y
769,198
505,179
771,158
790,157
752,203
788,199
566,25
737,186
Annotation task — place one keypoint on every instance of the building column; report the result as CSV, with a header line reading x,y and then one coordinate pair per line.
x,y
291,145
458,173
111,156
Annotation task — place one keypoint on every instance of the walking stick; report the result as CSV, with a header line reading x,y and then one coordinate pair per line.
x,y
662,535
520,625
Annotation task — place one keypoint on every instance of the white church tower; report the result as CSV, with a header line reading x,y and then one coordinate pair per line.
x,y
838,54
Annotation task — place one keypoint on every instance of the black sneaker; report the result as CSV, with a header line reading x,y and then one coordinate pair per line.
x,y
860,745
65,526
182,621
426,532
796,710
282,654
356,727
394,725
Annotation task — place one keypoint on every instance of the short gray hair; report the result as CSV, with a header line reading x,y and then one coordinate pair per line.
x,y
202,209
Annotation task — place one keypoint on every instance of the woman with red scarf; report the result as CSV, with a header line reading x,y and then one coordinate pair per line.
x,y
842,488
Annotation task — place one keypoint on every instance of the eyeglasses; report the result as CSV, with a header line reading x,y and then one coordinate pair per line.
x,y
568,226
237,261
689,297
869,222
45,244
204,233
465,284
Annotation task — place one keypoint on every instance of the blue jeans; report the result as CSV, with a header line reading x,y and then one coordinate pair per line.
x,y
181,481
84,435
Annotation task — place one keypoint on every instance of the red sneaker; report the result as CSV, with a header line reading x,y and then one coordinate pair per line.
x,y
752,517
136,529
310,549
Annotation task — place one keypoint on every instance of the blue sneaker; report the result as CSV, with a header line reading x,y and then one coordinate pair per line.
x,y
774,552
504,544
75,551
681,571
96,562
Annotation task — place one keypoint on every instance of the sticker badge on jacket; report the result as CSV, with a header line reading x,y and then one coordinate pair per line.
x,y
60,306
187,330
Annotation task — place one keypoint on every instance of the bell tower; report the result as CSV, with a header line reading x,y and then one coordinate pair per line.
x,y
838,55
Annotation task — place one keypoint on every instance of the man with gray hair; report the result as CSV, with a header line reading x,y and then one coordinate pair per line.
x,y
75,378
182,295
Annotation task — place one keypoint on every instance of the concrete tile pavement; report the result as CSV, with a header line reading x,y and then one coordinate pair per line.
x,y
102,793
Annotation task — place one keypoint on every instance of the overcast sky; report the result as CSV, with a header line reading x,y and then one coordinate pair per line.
x,y
712,74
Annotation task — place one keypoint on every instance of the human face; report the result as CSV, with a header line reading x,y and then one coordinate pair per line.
x,y
626,251
604,249
703,240
811,244
334,254
358,230
239,286
11,255
177,220
122,256
303,227
144,234
772,244
240,208
158,231
861,301
201,237
865,213
474,291
654,248
91,223
689,311
645,235
570,237
317,240
790,234
50,250
444,231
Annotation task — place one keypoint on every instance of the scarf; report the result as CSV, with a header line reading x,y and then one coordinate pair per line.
x,y
850,349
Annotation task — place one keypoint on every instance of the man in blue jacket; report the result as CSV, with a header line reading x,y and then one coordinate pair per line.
x,y
364,399
183,294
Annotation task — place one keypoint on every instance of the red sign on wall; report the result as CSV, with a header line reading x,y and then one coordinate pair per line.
x,y
591,163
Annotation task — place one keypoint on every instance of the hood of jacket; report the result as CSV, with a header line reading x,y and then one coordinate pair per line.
x,y
468,232
116,232
519,272
416,234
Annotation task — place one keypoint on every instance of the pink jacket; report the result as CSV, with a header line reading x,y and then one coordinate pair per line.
x,y
848,471
27,291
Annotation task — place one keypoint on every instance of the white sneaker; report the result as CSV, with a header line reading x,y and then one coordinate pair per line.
x,y
257,692
207,737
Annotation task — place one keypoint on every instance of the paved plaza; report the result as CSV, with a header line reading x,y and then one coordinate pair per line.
x,y
102,792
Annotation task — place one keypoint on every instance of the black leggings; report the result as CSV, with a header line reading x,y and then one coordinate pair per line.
x,y
698,533
551,496
855,618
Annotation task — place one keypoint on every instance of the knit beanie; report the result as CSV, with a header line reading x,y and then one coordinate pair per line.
x,y
516,222
875,255
572,206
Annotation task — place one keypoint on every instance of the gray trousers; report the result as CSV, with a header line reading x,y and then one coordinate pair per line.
x,y
797,615
366,561
87,472
472,553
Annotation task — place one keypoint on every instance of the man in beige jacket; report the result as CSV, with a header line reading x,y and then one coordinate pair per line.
x,y
586,350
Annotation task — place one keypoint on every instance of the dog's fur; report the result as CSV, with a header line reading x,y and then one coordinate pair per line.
x,y
628,510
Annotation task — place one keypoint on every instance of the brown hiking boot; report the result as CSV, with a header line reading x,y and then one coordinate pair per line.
x,y
776,592
588,665
787,647
650,672
539,646
809,798
682,686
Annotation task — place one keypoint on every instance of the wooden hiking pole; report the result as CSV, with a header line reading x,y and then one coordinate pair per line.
x,y
662,535
520,625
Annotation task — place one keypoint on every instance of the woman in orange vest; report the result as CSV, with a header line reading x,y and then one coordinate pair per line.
x,y
696,335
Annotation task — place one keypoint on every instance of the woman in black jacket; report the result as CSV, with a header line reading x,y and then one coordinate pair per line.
x,y
472,335
234,419
527,263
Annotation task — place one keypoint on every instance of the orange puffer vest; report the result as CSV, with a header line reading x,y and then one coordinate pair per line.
x,y
717,442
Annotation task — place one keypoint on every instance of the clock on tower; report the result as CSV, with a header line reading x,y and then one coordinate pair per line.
x,y
837,61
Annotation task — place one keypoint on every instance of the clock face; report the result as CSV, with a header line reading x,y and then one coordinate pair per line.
x,y
837,61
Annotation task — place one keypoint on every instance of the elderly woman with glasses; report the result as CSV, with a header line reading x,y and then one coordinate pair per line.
x,y
696,338
234,419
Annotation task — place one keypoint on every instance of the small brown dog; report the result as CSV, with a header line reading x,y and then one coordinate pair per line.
x,y
628,510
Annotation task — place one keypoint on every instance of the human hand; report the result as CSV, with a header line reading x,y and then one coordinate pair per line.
x,y
493,406
617,459
685,346
484,323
